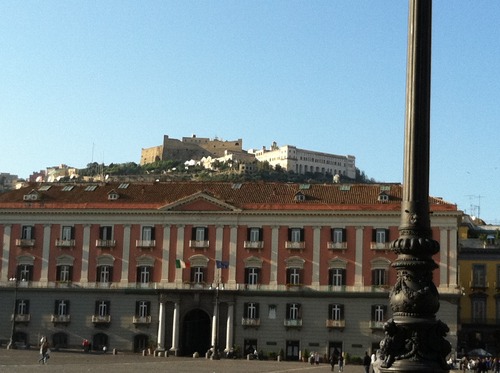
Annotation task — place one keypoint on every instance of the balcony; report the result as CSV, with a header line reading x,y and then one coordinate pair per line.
x,y
253,245
21,317
337,288
295,245
25,243
145,244
376,324
98,319
65,244
336,245
335,324
249,322
380,245
196,244
60,319
292,323
141,320
105,244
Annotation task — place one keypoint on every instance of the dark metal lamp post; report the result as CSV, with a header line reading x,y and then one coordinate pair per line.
x,y
414,340
11,344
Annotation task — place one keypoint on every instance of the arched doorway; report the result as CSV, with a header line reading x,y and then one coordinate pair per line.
x,y
196,333
99,341
141,342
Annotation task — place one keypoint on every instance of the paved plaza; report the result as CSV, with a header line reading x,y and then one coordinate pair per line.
x,y
76,362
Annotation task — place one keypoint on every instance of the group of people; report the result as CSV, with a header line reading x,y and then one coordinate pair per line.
x,y
337,358
480,364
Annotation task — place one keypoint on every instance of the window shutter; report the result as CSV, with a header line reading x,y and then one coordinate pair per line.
x,y
205,234
110,273
70,273
330,276
248,233
247,274
373,312
343,276
330,310
191,274
257,314
289,234
288,276
138,274
96,308
245,310
56,307
108,309
258,275
72,233
374,235
67,307
374,280
344,235
261,235
148,308
387,235
153,233
193,233
302,237
137,304
341,311
299,313
27,303
288,310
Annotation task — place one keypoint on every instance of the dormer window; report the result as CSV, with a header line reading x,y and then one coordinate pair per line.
x,y
383,197
299,197
112,196
31,196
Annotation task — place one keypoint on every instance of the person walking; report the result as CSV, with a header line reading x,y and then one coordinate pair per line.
x,y
334,358
44,351
341,363
367,362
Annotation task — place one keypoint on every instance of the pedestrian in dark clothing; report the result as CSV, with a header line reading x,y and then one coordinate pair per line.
x,y
334,358
366,362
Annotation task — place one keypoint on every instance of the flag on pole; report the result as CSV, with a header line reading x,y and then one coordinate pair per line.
x,y
222,264
179,263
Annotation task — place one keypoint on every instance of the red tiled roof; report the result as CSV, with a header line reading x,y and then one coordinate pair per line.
x,y
245,196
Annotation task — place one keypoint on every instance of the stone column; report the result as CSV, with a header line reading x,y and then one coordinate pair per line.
x,y
5,275
358,265
161,324
84,277
273,281
179,251
125,255
233,235
229,326
165,250
44,276
175,329
316,257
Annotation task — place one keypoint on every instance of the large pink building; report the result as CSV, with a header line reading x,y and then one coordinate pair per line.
x,y
181,266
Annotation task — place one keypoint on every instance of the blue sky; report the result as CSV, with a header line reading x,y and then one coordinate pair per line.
x,y
84,81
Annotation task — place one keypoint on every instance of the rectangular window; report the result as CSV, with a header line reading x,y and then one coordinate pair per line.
x,y
28,232
200,233
142,308
106,233
381,235
251,310
67,233
296,234
271,312
478,310
25,272
104,274
338,235
148,233
293,276
379,277
337,276
293,311
61,308
144,274
22,307
479,275
252,275
254,234
336,312
378,313
102,308
64,273
198,274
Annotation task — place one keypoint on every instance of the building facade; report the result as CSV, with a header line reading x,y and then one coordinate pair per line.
x,y
182,266
479,266
302,161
